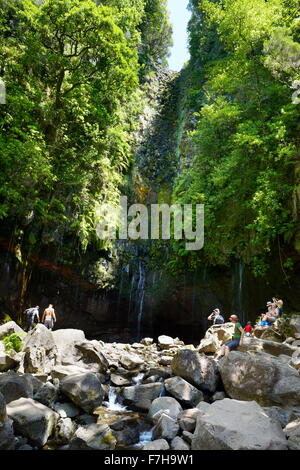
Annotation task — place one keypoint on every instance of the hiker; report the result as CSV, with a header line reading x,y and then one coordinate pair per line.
x,y
236,340
248,329
279,306
49,317
32,315
216,317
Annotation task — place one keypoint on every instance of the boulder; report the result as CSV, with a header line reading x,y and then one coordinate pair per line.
x,y
166,428
159,444
13,387
215,336
9,328
60,372
197,369
260,377
47,394
7,362
3,414
147,341
165,360
66,410
292,432
218,396
158,371
7,438
32,420
90,354
120,380
65,430
65,341
187,424
165,342
179,444
282,415
187,437
93,437
39,351
295,361
131,361
141,396
183,391
270,347
294,323
85,390
126,431
168,405
236,425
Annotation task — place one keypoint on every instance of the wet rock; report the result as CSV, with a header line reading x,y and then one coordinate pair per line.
x,y
183,391
85,390
141,396
32,420
260,377
292,432
165,342
13,387
47,394
131,361
168,405
9,328
85,420
126,431
7,362
197,369
159,444
120,380
93,437
65,430
66,410
166,428
179,444
236,425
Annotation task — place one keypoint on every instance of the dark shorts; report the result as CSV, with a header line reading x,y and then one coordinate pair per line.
x,y
233,344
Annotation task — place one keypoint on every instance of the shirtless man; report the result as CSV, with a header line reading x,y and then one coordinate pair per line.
x,y
49,317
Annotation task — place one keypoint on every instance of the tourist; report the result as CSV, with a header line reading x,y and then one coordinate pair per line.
x,y
216,317
279,306
249,329
49,317
237,338
32,315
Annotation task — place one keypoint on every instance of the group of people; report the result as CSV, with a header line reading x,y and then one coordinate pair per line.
x,y
33,316
274,311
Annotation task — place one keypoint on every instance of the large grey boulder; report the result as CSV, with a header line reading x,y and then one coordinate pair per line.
x,y
65,341
197,369
215,336
159,444
47,394
60,372
183,391
9,328
168,405
66,410
90,354
126,430
141,396
39,351
32,420
13,387
85,390
166,428
179,444
260,377
93,437
236,425
270,347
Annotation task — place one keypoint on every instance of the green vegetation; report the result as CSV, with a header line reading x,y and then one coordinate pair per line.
x,y
241,158
13,342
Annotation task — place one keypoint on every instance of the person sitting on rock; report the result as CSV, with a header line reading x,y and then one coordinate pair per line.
x,y
248,329
32,316
279,306
216,317
49,317
237,338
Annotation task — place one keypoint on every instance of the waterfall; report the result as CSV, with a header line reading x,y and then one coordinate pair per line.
x,y
140,298
112,403
138,378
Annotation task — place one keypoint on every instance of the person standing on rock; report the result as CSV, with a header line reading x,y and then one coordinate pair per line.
x,y
32,315
237,338
49,317
216,317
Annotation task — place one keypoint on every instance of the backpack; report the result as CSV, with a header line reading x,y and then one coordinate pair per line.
x,y
30,313
219,320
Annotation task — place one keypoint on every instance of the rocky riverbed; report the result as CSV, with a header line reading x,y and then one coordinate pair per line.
x,y
63,391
